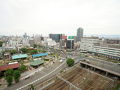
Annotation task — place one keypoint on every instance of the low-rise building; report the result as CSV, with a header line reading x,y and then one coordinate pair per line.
x,y
19,56
9,66
36,63
109,52
39,55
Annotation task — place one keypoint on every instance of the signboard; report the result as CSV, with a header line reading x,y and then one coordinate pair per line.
x,y
71,37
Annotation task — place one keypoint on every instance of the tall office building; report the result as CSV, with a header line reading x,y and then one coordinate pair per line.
x,y
55,37
63,41
25,35
79,34
70,44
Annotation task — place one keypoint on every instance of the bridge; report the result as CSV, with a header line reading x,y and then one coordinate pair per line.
x,y
106,71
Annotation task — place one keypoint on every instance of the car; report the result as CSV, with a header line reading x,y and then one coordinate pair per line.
x,y
61,60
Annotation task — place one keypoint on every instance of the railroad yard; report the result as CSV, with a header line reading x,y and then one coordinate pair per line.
x,y
77,78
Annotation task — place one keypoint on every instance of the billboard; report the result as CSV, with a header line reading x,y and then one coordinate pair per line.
x,y
71,37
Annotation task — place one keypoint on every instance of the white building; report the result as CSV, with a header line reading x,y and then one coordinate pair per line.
x,y
15,42
25,42
95,45
37,39
87,43
51,42
110,52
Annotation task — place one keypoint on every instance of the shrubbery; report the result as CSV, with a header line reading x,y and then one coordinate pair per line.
x,y
70,62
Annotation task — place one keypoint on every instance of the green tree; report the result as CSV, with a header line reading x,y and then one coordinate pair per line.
x,y
32,87
9,72
24,50
43,51
9,76
22,68
35,45
16,75
33,51
70,62
9,80
1,42
13,52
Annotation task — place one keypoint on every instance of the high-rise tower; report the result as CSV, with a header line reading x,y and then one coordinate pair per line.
x,y
79,34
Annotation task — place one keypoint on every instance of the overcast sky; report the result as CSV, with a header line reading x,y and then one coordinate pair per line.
x,y
59,16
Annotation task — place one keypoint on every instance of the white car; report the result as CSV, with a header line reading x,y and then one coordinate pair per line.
x,y
61,60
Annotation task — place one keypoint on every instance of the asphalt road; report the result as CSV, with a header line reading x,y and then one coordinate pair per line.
x,y
36,76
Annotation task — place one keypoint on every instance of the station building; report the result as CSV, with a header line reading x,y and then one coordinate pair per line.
x,y
98,46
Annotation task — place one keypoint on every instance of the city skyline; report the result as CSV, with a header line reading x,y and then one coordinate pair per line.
x,y
63,16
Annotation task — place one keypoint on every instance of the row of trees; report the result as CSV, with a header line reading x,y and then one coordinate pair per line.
x,y
31,51
14,75
25,50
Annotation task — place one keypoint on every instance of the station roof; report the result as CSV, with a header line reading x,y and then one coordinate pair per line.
x,y
9,66
40,54
36,62
18,56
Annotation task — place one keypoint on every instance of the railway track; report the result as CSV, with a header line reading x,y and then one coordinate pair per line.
x,y
81,78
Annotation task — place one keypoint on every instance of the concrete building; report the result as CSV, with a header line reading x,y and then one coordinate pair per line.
x,y
55,37
50,42
79,34
107,51
63,41
15,42
37,39
70,42
87,43
25,42
97,46
112,41
25,35
31,41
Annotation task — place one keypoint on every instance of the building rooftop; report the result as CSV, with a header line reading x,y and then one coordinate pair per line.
x,y
91,37
40,54
18,56
9,66
36,62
